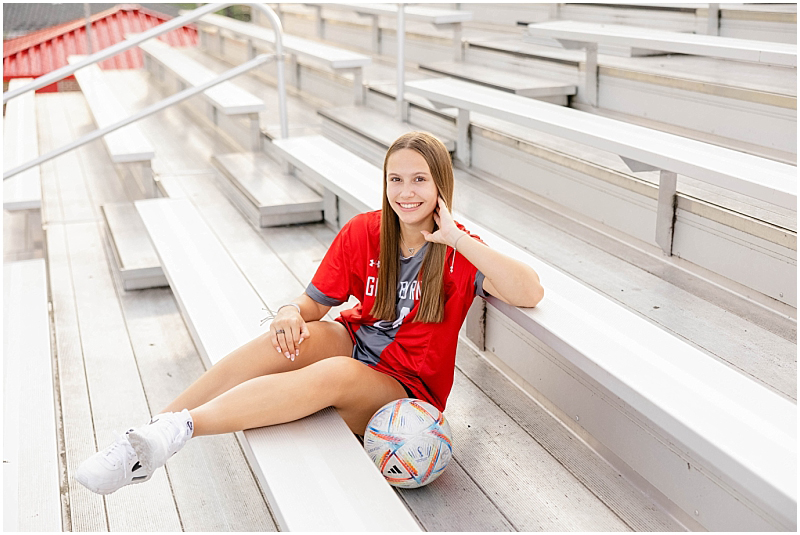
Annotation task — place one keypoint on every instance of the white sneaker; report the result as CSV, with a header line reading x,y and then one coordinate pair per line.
x,y
112,468
162,438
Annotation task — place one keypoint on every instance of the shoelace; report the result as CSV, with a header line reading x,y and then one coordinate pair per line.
x,y
112,456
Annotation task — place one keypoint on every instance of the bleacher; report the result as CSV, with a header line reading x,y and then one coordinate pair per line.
x,y
653,389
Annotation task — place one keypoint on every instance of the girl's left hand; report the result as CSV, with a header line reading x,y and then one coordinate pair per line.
x,y
448,232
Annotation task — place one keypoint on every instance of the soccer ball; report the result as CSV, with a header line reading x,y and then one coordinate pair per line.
x,y
409,442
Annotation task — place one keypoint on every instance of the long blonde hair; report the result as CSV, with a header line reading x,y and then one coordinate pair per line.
x,y
431,307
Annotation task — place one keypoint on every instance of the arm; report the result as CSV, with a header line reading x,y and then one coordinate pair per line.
x,y
310,310
293,325
510,280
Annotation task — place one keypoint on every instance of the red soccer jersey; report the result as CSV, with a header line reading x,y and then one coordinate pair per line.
x,y
419,355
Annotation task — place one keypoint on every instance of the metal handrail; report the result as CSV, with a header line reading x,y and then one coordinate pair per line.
x,y
179,22
150,110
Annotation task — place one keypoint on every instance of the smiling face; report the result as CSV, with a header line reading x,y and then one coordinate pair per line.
x,y
411,191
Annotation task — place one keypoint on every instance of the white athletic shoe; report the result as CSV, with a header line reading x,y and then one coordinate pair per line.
x,y
112,468
162,438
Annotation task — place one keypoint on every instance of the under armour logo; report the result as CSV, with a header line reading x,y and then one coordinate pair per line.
x,y
373,263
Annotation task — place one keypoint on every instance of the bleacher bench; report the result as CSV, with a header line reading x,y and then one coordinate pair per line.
x,y
441,18
336,59
22,191
314,471
31,476
125,145
641,148
225,98
739,430
573,34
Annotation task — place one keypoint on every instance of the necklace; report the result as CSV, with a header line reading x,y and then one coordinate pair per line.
x,y
410,249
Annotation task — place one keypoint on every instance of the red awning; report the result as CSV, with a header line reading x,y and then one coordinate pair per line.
x,y
44,51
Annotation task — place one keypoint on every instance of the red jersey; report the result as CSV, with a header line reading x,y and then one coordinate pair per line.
x,y
421,356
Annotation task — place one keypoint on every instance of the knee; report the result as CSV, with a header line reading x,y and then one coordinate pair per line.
x,y
336,374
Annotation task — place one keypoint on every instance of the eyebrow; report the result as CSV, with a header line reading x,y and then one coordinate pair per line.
x,y
414,173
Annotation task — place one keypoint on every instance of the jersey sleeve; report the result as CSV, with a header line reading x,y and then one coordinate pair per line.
x,y
479,291
330,285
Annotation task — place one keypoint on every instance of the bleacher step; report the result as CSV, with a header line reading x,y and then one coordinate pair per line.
x,y
266,195
20,145
351,126
512,82
135,261
31,475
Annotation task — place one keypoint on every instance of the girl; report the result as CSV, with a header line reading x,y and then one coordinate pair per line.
x,y
414,271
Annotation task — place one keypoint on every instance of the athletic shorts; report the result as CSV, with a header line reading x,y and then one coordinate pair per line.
x,y
339,319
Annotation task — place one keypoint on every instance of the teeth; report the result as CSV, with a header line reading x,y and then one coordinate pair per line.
x,y
410,205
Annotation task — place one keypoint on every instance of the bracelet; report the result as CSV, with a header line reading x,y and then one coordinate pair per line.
x,y
455,245
290,305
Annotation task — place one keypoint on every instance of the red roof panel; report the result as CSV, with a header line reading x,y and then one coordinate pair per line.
x,y
41,52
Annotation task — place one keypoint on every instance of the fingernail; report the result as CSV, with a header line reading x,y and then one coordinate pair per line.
x,y
301,341
292,359
296,352
277,349
287,354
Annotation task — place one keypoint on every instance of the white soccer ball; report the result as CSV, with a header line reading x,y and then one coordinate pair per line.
x,y
409,441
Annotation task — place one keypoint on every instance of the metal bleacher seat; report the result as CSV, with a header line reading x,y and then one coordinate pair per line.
x,y
334,58
642,148
31,475
20,144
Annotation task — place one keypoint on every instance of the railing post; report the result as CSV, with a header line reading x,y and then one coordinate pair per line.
x,y
402,111
278,28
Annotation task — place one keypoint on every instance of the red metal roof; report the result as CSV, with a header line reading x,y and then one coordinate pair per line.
x,y
46,50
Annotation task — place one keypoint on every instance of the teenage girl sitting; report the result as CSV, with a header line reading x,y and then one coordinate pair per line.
x,y
415,273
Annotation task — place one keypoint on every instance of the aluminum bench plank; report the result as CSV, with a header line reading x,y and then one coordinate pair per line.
x,y
329,483
374,125
336,58
226,97
20,145
31,475
763,179
683,43
512,82
425,14
128,144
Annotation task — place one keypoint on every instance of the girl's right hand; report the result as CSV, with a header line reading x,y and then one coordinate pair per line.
x,y
287,332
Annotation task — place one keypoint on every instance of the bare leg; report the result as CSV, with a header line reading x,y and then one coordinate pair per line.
x,y
257,358
353,388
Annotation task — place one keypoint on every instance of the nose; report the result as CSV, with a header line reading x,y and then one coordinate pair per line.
x,y
407,192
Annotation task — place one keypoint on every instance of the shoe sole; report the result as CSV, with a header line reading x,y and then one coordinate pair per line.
x,y
106,492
